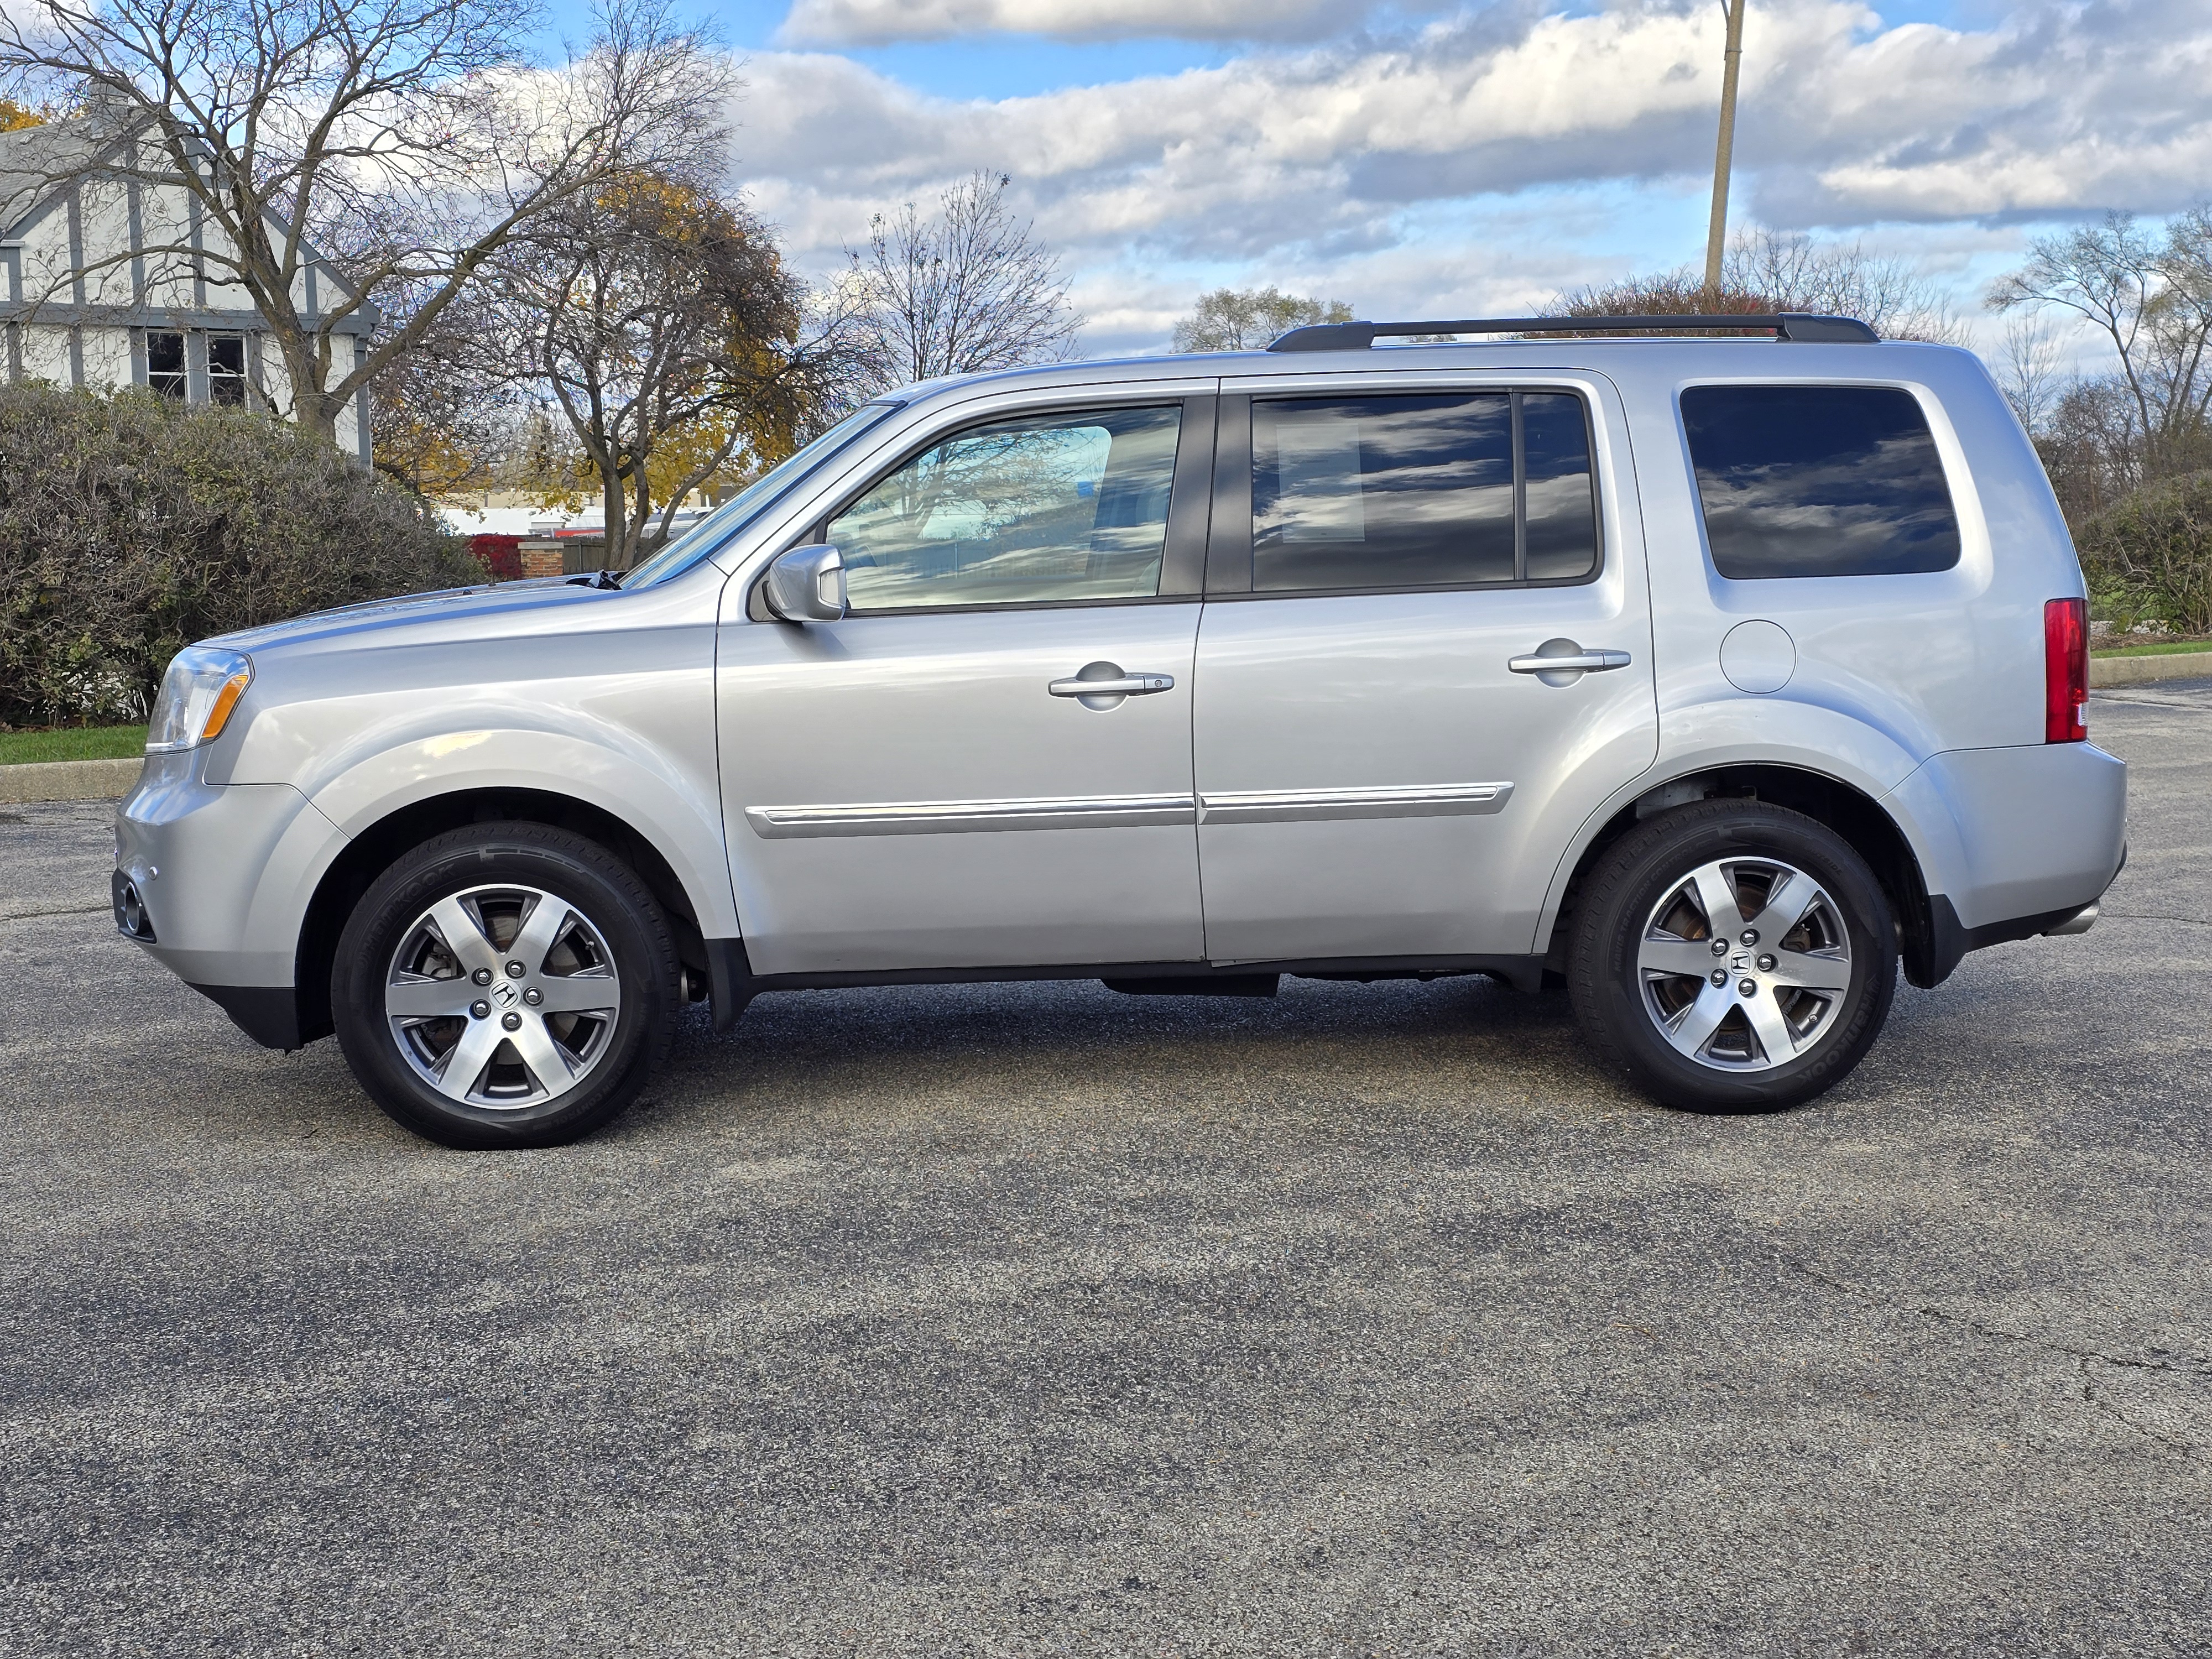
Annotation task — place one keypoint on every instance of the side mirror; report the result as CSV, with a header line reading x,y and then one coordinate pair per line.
x,y
807,584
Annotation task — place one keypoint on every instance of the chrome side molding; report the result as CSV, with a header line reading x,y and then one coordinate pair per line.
x,y
934,818
1432,801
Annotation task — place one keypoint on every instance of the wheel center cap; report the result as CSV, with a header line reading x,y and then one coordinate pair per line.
x,y
506,993
1739,961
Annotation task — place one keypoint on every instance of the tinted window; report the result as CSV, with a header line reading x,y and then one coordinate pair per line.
x,y
1369,493
1562,537
1062,507
1819,481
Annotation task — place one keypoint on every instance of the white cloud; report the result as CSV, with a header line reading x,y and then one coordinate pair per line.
x,y
1351,156
873,22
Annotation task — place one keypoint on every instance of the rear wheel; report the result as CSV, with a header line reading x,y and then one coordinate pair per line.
x,y
505,985
1733,955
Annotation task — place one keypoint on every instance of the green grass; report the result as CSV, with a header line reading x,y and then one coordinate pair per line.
x,y
73,742
2166,649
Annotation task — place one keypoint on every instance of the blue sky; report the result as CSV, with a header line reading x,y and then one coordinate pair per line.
x,y
1437,157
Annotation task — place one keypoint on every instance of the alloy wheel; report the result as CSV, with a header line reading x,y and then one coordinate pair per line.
x,y
502,997
1744,964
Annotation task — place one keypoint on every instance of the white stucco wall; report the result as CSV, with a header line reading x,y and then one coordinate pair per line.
x,y
96,262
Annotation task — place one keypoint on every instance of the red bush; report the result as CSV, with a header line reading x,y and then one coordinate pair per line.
x,y
502,556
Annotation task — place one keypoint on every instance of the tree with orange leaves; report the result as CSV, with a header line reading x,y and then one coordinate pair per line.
x,y
660,322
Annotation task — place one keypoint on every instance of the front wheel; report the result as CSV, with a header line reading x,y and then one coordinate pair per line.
x,y
1732,956
505,985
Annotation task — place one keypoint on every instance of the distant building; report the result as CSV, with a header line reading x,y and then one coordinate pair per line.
x,y
101,287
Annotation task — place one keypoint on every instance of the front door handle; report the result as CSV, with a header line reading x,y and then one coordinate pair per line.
x,y
1099,686
1123,685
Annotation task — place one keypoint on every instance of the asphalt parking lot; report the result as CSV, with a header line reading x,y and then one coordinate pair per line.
x,y
1017,1320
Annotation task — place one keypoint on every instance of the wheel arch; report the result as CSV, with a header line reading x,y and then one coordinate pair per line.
x,y
379,845
1874,834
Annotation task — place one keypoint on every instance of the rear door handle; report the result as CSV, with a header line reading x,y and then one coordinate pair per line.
x,y
1586,662
1128,685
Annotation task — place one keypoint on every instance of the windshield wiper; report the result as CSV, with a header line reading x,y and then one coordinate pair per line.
x,y
597,579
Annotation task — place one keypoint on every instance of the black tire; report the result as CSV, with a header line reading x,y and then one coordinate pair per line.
x,y
1618,934
616,947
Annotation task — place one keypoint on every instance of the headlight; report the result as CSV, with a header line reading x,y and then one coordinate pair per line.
x,y
198,692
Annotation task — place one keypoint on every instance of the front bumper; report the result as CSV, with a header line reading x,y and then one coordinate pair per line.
x,y
222,875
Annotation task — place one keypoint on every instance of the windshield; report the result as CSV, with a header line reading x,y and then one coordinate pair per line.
x,y
712,533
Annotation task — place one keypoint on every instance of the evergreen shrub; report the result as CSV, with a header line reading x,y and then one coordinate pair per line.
x,y
133,525
2149,557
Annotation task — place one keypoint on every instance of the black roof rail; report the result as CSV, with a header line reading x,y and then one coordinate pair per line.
x,y
1787,326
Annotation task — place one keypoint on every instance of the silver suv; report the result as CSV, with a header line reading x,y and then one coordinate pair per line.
x,y
1708,677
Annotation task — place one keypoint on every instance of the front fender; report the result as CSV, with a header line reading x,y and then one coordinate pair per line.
x,y
668,804
619,716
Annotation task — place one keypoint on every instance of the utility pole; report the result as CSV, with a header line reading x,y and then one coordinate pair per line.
x,y
1716,231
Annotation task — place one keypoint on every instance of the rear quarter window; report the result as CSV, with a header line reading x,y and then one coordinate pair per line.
x,y
1819,481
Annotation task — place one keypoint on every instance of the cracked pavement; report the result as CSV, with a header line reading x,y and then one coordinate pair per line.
x,y
1022,1318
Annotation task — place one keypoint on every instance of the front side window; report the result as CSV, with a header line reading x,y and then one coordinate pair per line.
x,y
1035,510
1819,481
1444,491
227,369
165,361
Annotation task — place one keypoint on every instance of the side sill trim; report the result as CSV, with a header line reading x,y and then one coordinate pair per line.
x,y
1434,800
735,984
932,817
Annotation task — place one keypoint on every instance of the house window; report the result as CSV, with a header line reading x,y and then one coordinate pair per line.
x,y
227,369
165,361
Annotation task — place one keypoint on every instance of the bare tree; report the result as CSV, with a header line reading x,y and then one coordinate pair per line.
x,y
1768,271
407,140
2091,445
2028,371
1245,318
1797,273
2151,297
661,323
967,289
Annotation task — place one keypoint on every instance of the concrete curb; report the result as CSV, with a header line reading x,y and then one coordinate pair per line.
x,y
88,780
2136,671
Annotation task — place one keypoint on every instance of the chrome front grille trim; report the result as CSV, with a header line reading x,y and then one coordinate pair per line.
x,y
937,818
1432,800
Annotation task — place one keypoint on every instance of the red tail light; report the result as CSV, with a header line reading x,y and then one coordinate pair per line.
x,y
2065,671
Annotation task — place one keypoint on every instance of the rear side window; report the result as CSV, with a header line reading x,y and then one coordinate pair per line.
x,y
1449,490
1819,481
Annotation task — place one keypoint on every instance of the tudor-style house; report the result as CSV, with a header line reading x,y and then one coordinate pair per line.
x,y
99,286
